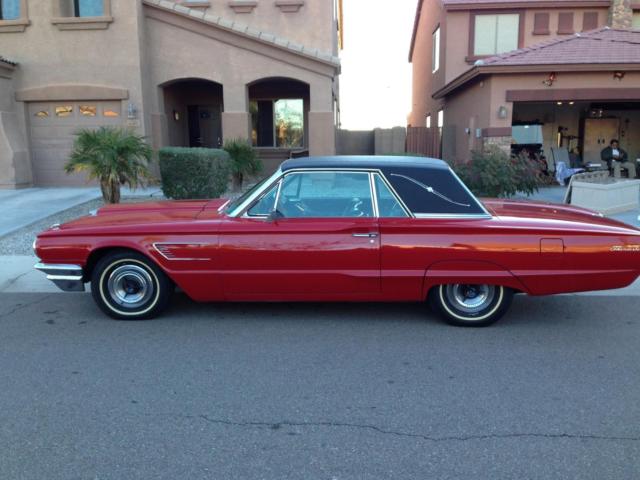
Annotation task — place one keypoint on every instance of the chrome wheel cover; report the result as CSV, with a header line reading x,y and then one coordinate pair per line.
x,y
470,299
130,286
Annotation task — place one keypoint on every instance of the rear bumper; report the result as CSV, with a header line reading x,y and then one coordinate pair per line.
x,y
66,277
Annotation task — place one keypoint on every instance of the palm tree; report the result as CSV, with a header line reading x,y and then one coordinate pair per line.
x,y
244,160
114,156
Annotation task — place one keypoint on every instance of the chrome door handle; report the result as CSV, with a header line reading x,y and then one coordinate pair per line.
x,y
365,235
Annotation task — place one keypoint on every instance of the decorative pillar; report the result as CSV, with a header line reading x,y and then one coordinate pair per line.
x,y
235,115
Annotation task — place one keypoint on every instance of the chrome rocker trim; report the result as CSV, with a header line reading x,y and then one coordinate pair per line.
x,y
66,277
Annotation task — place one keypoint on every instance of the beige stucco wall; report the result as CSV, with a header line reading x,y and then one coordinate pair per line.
x,y
15,168
312,25
235,69
422,62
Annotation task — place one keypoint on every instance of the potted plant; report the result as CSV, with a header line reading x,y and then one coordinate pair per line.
x,y
113,156
244,160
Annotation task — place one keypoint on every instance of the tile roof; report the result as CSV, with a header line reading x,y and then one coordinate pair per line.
x,y
602,46
9,62
244,30
472,3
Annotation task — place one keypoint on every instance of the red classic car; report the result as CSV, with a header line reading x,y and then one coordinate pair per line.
x,y
342,229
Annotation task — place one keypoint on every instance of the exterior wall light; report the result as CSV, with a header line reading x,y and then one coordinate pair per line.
x,y
503,112
132,111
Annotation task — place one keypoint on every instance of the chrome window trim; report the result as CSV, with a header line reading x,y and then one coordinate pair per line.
x,y
398,198
266,191
240,209
374,196
454,216
247,204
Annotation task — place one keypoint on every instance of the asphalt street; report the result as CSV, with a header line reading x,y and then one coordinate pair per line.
x,y
318,391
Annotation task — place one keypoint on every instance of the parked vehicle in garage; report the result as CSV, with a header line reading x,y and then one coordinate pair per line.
x,y
342,229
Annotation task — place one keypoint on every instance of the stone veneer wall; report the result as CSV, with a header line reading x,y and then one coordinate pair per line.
x,y
620,14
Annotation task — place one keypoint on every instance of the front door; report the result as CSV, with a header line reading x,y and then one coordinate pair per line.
x,y
322,243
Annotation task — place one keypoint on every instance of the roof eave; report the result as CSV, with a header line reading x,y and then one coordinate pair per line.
x,y
478,70
530,4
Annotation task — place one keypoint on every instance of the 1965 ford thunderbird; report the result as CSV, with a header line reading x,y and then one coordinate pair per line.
x,y
342,229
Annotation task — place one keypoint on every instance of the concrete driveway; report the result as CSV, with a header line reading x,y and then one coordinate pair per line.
x,y
23,207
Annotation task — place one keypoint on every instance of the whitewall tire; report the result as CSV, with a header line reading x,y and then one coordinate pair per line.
x,y
470,305
128,286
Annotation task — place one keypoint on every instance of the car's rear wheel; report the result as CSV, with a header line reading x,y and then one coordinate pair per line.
x,y
128,286
470,305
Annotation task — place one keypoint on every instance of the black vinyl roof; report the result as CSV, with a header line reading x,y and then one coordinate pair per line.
x,y
364,161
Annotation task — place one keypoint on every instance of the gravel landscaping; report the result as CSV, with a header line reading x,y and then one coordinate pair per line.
x,y
20,241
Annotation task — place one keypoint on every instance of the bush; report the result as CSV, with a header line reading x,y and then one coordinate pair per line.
x,y
493,173
244,160
189,173
113,156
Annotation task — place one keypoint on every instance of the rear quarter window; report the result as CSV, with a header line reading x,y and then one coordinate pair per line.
x,y
432,191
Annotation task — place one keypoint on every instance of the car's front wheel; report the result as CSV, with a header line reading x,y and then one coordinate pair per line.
x,y
128,286
470,305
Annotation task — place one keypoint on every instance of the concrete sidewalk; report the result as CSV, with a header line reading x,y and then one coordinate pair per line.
x,y
19,208
17,275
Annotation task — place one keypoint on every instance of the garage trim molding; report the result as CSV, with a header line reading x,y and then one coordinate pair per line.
x,y
56,93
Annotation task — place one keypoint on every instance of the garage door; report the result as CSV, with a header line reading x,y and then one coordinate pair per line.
x,y
52,129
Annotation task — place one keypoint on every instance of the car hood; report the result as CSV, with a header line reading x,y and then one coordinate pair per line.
x,y
146,214
553,213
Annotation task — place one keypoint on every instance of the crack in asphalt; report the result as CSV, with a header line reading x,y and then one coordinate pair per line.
x,y
13,280
22,306
462,438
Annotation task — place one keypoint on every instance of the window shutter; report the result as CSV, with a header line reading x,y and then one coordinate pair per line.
x,y
589,21
541,23
565,23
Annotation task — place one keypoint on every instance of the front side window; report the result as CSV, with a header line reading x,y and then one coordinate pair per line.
x,y
388,205
494,34
277,123
636,20
325,195
432,191
435,62
9,9
266,204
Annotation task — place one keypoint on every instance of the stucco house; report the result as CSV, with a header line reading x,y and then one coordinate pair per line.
x,y
184,73
564,74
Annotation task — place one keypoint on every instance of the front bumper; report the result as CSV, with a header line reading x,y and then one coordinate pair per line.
x,y
66,277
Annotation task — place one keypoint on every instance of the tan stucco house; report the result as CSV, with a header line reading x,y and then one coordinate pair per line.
x,y
485,71
184,73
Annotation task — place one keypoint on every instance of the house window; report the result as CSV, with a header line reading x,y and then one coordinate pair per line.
x,y
541,23
64,111
277,123
494,34
82,8
636,20
429,121
565,23
10,9
589,21
435,58
440,118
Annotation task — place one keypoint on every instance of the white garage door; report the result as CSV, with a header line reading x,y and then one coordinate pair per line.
x,y
52,129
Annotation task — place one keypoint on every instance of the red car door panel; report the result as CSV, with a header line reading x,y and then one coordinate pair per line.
x,y
300,258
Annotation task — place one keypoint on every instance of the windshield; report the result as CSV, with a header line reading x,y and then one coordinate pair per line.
x,y
231,206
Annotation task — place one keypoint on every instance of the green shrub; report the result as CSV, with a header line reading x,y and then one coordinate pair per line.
x,y
493,173
113,156
244,160
194,172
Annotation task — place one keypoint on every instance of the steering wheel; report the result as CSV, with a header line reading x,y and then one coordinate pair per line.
x,y
294,209
354,209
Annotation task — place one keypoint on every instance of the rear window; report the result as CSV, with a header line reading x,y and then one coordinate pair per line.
x,y
432,191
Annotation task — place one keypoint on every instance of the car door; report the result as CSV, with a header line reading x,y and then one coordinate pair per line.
x,y
320,242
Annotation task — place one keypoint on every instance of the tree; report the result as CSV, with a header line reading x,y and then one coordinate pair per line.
x,y
113,156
